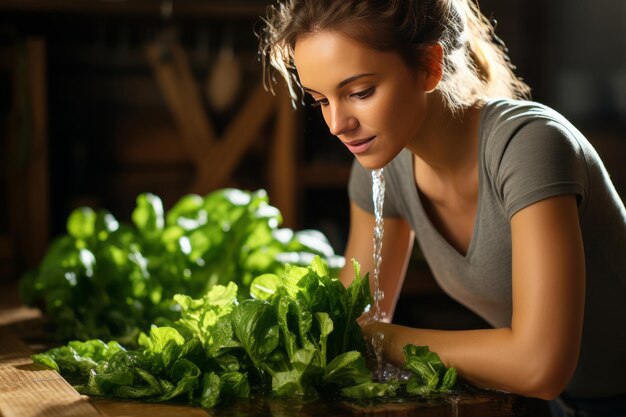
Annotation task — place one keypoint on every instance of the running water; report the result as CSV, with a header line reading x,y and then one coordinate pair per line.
x,y
378,194
453,400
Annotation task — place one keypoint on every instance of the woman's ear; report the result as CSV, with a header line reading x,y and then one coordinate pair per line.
x,y
432,65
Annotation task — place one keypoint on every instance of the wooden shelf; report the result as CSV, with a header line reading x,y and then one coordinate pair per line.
x,y
181,8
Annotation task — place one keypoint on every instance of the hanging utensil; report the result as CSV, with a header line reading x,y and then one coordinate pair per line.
x,y
224,79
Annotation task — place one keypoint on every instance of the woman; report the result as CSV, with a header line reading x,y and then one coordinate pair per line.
x,y
510,204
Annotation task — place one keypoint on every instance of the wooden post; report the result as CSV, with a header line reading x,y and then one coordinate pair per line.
x,y
38,186
28,176
283,156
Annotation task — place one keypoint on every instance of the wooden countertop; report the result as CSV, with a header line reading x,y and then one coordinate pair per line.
x,y
29,390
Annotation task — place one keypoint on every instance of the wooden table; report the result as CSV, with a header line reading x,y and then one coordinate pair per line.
x,y
29,390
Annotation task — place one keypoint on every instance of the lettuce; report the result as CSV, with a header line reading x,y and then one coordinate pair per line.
x,y
285,342
109,280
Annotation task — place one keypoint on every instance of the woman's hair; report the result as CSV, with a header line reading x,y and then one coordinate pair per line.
x,y
475,63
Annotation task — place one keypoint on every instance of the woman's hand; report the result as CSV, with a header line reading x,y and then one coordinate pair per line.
x,y
372,327
369,324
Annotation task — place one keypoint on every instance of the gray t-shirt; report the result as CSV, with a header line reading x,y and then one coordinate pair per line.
x,y
528,152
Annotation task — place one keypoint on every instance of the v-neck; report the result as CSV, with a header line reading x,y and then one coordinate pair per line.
x,y
428,222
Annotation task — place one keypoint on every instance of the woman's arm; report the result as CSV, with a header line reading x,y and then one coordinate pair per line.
x,y
397,244
538,354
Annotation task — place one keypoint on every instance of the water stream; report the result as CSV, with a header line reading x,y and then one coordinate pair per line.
x,y
378,195
454,400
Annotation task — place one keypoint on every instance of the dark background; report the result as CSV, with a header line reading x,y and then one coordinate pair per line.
x,y
110,135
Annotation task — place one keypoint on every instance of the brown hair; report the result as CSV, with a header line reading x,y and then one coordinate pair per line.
x,y
476,64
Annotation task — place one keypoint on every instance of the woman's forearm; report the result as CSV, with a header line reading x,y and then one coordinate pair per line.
x,y
488,358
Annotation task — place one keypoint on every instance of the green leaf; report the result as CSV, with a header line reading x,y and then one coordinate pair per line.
x,y
222,338
234,385
431,375
347,369
289,336
255,326
285,384
303,378
188,213
81,223
449,379
228,363
46,360
164,343
96,350
211,387
134,392
291,277
148,216
119,371
66,360
264,286
368,390
319,266
185,375
326,327
200,316
151,380
346,306
105,225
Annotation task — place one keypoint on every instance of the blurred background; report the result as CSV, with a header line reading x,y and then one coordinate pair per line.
x,y
103,99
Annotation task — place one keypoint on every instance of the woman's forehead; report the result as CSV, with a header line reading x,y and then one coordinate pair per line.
x,y
331,57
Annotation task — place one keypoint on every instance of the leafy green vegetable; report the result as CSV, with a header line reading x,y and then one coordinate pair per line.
x,y
198,316
368,390
280,343
254,323
108,280
430,374
347,369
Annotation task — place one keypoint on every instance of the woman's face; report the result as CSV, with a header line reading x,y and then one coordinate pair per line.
x,y
371,100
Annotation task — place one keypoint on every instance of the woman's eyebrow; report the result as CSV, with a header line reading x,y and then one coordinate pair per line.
x,y
342,83
350,79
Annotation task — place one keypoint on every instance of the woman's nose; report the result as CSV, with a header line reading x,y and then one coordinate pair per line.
x,y
339,121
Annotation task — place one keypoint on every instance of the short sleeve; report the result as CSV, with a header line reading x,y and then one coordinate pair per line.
x,y
541,160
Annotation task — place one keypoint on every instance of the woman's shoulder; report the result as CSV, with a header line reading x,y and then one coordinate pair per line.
x,y
503,120
525,134
499,112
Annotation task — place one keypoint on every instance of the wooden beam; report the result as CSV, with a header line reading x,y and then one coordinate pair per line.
x,y
217,165
175,79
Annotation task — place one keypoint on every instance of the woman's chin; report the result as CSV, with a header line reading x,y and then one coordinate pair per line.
x,y
372,161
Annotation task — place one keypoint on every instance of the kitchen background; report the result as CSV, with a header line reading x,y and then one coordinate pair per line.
x,y
102,100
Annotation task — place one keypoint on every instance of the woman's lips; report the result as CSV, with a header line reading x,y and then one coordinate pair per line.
x,y
360,145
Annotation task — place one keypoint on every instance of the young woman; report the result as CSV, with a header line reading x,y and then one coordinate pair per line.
x,y
510,204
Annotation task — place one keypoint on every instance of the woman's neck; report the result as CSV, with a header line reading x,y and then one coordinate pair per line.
x,y
447,142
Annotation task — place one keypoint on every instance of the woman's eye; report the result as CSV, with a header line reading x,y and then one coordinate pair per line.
x,y
363,94
320,102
